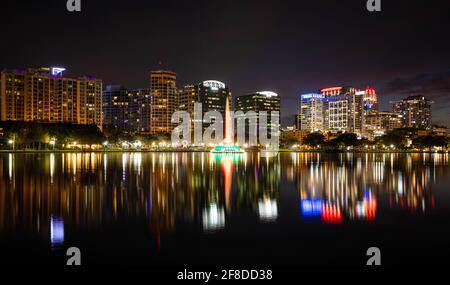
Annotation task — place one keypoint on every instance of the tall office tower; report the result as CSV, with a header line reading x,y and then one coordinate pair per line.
x,y
164,101
188,96
213,95
115,108
336,113
336,108
267,101
126,111
140,110
311,112
44,95
343,109
356,115
415,112
370,100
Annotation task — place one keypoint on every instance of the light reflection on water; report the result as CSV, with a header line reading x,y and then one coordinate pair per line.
x,y
43,194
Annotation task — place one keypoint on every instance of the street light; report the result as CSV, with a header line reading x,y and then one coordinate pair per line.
x,y
52,143
13,144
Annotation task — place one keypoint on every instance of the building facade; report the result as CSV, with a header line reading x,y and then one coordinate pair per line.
x,y
259,101
213,95
379,123
415,112
44,95
370,100
115,105
343,109
311,112
164,101
263,101
141,110
188,96
126,111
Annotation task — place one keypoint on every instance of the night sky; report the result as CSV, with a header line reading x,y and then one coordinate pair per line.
x,y
290,47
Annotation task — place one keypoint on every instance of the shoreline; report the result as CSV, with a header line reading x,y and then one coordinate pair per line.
x,y
208,151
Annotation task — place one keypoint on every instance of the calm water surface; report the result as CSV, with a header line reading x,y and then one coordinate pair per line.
x,y
200,208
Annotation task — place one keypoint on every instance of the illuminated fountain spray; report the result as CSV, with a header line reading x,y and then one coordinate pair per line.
x,y
228,145
228,139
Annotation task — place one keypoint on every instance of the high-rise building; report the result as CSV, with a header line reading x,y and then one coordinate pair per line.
x,y
336,109
213,95
343,109
415,112
357,115
370,100
188,96
115,108
164,101
141,110
259,101
311,112
44,95
126,111
263,101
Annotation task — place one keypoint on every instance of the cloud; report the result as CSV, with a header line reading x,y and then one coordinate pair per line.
x,y
434,86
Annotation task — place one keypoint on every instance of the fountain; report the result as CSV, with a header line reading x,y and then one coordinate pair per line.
x,y
228,146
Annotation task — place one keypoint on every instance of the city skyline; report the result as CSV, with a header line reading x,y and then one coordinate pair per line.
x,y
286,119
283,49
195,135
46,95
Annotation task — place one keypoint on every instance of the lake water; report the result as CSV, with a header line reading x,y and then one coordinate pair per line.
x,y
201,208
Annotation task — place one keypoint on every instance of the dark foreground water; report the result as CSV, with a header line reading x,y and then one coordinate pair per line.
x,y
199,208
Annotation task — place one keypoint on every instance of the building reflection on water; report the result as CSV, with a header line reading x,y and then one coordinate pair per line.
x,y
51,194
334,187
